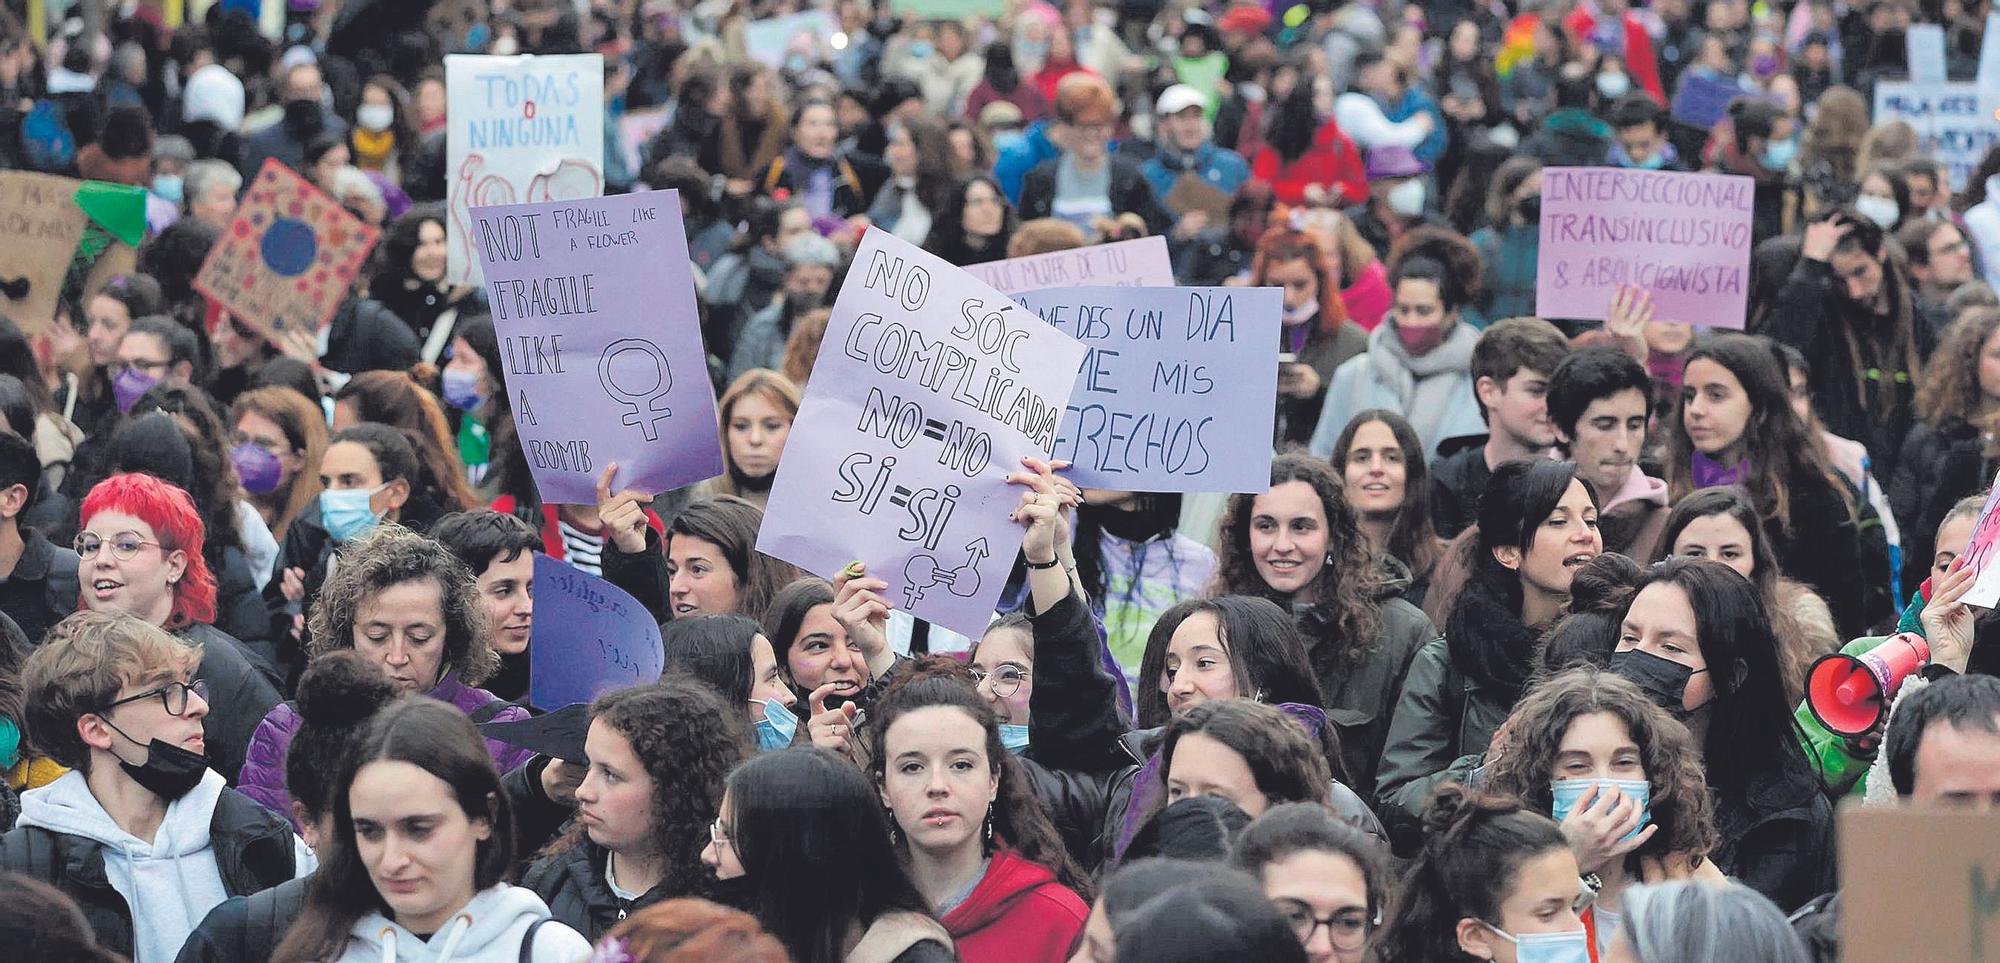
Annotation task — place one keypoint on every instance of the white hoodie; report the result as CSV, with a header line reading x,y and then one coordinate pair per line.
x,y
170,883
488,930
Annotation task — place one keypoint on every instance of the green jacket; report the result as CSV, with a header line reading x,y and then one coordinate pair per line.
x,y
1442,725
1360,698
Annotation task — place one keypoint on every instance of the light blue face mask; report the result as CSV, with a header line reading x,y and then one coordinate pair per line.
x,y
776,729
1778,154
1567,791
169,187
1014,737
346,515
1570,947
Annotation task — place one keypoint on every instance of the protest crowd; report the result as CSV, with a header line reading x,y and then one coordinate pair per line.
x,y
1488,576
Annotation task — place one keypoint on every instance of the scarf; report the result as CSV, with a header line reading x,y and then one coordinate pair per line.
x,y
1708,473
1425,386
372,148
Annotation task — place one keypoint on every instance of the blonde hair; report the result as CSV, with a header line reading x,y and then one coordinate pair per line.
x,y
774,388
86,659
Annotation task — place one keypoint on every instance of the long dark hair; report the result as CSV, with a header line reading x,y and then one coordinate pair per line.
x,y
437,738
1290,828
680,729
730,524
1519,496
1751,732
337,694
1293,125
1413,538
1000,72
1267,655
1282,756
391,265
1781,451
1765,571
801,819
1344,615
786,614
1474,844
1019,822
947,237
714,649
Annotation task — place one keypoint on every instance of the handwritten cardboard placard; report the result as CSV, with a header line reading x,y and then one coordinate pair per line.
x,y
930,387
1138,263
1979,552
772,39
1955,123
518,130
41,226
1702,101
590,637
290,256
1178,387
593,301
1919,883
1684,237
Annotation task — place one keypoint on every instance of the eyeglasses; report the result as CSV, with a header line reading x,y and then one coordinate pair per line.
x,y
273,447
718,833
1348,930
173,696
1007,679
124,545
145,367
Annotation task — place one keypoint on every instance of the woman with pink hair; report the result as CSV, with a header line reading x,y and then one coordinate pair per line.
x,y
139,552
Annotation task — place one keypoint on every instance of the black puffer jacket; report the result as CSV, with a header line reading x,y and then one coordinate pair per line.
x,y
572,883
246,929
239,696
253,850
1777,837
1939,466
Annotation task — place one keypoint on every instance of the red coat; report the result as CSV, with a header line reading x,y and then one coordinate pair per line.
x,y
1017,914
552,540
1640,61
1332,161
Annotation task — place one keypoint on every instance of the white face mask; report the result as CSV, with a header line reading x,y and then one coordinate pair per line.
x,y
375,117
1881,210
1407,198
506,46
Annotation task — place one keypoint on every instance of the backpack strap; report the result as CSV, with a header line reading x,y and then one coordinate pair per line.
x,y
528,941
484,714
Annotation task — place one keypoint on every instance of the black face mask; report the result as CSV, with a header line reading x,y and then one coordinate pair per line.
x,y
1529,209
1663,680
169,771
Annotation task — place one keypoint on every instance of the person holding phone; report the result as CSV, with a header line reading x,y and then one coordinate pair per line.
x,y
1317,336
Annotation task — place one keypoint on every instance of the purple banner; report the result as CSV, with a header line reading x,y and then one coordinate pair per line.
x,y
1684,237
593,301
929,389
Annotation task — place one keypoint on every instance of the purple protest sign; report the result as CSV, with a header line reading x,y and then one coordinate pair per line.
x,y
590,637
1684,237
1138,263
1178,390
930,387
594,304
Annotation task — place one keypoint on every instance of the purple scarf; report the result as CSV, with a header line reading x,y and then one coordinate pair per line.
x,y
1708,474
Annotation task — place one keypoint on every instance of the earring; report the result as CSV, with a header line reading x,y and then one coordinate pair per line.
x,y
895,838
989,826
1329,558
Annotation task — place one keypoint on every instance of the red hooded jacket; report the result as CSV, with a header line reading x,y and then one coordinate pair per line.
x,y
1333,161
1017,914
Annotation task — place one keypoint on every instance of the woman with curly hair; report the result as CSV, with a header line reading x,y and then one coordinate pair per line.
x,y
395,399
1951,451
1387,481
1297,544
408,277
1736,426
1317,336
1493,876
1419,364
658,756
967,823
410,606
1622,779
691,931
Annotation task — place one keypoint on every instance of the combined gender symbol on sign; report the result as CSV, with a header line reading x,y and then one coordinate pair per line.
x,y
635,373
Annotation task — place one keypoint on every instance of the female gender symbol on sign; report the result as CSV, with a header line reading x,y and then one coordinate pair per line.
x,y
635,373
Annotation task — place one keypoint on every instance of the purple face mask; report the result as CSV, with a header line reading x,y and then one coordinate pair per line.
x,y
128,386
258,469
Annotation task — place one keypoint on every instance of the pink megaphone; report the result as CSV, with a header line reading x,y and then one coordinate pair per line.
x,y
1849,694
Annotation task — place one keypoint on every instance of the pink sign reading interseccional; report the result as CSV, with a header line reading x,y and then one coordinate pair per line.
x,y
1685,238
